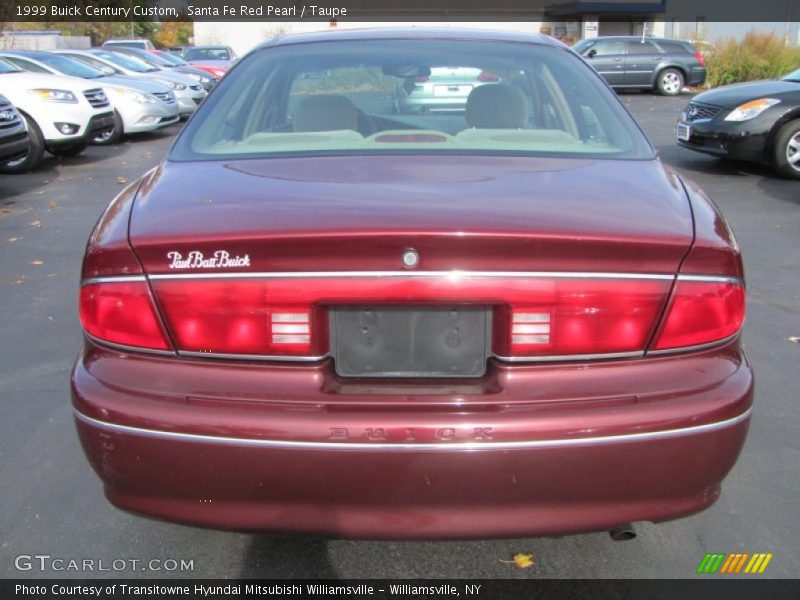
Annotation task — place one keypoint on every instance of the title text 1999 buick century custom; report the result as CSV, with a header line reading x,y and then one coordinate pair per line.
x,y
319,316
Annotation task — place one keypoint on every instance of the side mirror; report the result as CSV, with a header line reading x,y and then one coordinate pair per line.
x,y
591,53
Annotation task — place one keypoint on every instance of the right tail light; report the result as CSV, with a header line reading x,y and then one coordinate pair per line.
x,y
701,312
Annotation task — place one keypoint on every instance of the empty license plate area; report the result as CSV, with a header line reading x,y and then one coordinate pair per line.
x,y
422,341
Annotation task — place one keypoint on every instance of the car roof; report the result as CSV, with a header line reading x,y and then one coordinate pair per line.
x,y
411,33
637,38
24,53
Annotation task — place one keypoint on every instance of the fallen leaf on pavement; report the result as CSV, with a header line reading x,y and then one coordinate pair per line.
x,y
794,338
37,262
522,561
53,204
36,223
121,180
14,239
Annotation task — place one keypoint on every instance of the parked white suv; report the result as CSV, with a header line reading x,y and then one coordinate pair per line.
x,y
139,105
61,113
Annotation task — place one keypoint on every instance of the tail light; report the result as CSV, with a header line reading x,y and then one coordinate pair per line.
x,y
700,58
421,79
488,77
581,317
121,313
536,317
702,312
238,317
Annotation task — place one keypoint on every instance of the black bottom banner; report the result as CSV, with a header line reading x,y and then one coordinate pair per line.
x,y
489,589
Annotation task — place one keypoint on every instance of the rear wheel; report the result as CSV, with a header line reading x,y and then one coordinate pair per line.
x,y
670,82
69,151
35,151
787,150
112,136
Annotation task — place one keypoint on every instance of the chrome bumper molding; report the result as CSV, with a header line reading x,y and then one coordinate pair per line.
x,y
412,446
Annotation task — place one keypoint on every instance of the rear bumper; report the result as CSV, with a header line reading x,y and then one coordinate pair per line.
x,y
695,75
526,450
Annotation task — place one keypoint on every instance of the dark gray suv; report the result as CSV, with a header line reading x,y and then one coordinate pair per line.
x,y
650,63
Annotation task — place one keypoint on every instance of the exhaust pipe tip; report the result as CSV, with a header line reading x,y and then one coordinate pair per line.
x,y
623,533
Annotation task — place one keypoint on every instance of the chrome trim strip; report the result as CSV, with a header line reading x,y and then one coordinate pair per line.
x,y
187,353
412,447
412,274
711,278
113,279
568,357
116,346
707,346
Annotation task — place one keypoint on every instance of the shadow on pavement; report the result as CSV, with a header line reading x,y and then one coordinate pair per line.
x,y
286,557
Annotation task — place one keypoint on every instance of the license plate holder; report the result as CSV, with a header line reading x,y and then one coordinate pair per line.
x,y
452,90
683,132
419,341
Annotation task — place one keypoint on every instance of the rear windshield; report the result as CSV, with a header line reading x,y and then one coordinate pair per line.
x,y
207,54
675,47
411,96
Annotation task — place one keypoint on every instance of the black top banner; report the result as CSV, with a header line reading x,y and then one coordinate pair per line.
x,y
395,10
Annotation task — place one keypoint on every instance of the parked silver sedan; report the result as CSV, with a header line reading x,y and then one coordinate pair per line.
x,y
188,92
139,105
439,89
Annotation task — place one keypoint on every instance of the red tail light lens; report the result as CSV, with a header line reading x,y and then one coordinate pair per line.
x,y
121,313
236,317
700,58
702,312
537,316
577,317
488,77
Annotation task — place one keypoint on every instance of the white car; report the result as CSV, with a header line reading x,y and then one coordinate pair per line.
x,y
62,114
139,105
188,92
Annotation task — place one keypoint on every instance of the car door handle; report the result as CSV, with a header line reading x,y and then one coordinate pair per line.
x,y
618,59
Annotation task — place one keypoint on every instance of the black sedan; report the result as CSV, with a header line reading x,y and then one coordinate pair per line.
x,y
758,122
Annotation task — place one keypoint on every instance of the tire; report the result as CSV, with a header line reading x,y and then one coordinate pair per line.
x,y
786,157
69,151
111,137
35,150
670,82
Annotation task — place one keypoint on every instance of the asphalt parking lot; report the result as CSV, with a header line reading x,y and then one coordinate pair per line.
x,y
53,503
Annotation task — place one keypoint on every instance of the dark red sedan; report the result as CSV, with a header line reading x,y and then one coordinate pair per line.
x,y
319,316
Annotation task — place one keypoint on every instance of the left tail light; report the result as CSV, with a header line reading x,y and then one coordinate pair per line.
x,y
239,318
121,313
